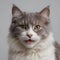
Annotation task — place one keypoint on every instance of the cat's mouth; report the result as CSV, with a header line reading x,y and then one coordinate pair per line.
x,y
30,41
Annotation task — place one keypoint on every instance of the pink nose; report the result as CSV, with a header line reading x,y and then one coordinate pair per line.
x,y
29,35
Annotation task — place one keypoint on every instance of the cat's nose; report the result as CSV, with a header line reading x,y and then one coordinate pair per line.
x,y
29,35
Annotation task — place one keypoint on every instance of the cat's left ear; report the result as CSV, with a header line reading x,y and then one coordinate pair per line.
x,y
16,11
45,12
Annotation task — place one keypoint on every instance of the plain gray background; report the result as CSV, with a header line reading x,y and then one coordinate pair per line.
x,y
29,6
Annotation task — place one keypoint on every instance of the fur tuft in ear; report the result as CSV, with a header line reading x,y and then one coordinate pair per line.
x,y
16,11
45,12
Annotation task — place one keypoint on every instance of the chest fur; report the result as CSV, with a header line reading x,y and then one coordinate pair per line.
x,y
47,54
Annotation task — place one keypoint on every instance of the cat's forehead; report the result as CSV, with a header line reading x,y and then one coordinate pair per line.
x,y
29,18
32,18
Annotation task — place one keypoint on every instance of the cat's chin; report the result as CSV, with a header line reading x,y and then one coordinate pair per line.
x,y
29,46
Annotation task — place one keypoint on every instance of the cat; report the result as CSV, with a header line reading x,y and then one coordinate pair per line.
x,y
30,37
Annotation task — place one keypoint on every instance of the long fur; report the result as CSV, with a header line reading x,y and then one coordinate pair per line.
x,y
45,50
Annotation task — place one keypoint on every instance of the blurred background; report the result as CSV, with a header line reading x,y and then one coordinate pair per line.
x,y
28,6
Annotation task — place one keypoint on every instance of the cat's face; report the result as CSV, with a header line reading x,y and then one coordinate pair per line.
x,y
30,28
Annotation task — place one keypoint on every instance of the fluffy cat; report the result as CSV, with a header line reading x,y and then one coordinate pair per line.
x,y
30,37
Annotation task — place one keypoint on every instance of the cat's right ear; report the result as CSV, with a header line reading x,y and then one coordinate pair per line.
x,y
16,11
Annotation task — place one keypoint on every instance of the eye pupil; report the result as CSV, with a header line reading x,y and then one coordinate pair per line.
x,y
37,26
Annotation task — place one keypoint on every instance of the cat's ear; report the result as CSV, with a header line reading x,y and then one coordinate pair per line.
x,y
45,12
16,11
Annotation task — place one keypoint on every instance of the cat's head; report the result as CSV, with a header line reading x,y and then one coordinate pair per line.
x,y
30,28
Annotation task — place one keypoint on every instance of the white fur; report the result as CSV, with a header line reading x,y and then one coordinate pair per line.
x,y
34,37
45,50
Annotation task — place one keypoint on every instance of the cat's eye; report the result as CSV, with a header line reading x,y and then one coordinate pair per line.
x,y
23,26
37,27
